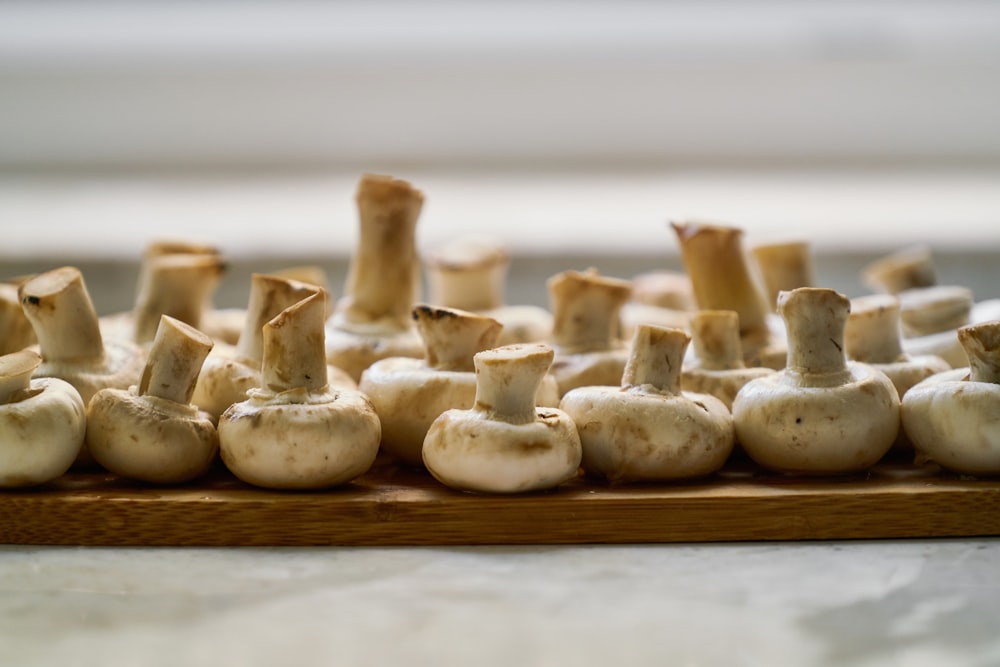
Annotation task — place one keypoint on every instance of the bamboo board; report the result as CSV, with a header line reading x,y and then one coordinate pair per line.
x,y
395,506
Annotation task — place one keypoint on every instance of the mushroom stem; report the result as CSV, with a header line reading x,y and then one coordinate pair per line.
x,y
269,295
15,329
180,286
60,310
382,280
656,358
175,359
815,318
468,274
15,374
902,270
872,334
982,345
508,379
585,309
453,337
295,347
714,258
716,338
784,266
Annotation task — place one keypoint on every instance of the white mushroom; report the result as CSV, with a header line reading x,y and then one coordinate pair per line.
x,y
717,366
722,279
230,371
904,269
505,444
951,417
822,414
470,274
648,429
152,432
931,317
588,349
295,431
372,320
42,423
784,266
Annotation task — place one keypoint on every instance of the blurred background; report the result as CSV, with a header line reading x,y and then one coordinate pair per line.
x,y
573,131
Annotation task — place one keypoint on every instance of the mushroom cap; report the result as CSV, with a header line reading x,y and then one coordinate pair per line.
x,y
467,450
353,352
722,384
41,434
818,425
638,434
119,368
521,324
905,373
944,344
300,440
225,378
954,422
587,369
148,438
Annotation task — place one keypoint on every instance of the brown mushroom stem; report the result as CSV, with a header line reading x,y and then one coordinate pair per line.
x,y
815,318
585,308
382,281
871,334
60,310
655,359
295,347
784,266
15,329
175,359
508,380
714,258
269,295
468,274
902,270
180,286
15,374
716,338
981,343
453,337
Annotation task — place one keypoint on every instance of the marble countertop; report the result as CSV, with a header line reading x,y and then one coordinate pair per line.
x,y
911,602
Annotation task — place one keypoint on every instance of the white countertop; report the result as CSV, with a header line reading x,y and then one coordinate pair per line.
x,y
906,603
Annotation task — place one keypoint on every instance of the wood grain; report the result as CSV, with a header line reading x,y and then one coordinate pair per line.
x,y
396,506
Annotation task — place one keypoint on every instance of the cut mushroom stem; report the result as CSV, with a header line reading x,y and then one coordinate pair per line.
x,y
784,266
509,379
60,310
871,334
468,274
982,345
382,280
177,285
15,374
15,329
294,349
585,308
815,319
714,258
909,268
453,337
716,338
656,358
175,360
269,295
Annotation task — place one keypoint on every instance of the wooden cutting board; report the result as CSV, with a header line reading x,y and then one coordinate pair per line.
x,y
396,506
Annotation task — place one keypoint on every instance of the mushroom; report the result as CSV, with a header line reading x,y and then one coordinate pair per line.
x,y
663,298
372,320
42,423
295,431
904,269
230,371
505,444
822,414
152,432
409,394
15,329
714,258
931,317
717,366
69,337
469,274
648,429
784,266
588,350
951,417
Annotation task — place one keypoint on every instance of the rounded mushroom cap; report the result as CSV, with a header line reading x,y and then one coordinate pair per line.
x,y
930,310
721,384
225,378
300,440
522,324
588,369
408,396
41,433
641,435
953,421
353,353
148,438
466,450
119,368
818,425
